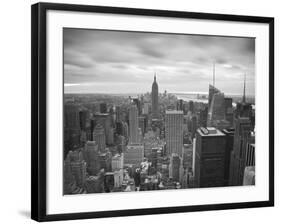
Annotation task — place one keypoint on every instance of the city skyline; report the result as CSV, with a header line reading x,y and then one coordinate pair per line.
x,y
94,59
157,141
177,144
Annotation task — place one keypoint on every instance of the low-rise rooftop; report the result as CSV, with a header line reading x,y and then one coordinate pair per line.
x,y
209,131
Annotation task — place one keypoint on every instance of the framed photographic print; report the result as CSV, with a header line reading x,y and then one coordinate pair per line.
x,y
139,111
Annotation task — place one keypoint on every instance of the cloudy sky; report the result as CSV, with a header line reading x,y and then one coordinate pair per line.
x,y
98,61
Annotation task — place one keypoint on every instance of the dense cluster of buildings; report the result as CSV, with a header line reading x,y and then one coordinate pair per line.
x,y
156,142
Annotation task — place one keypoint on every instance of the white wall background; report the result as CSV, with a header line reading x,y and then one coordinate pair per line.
x,y
15,110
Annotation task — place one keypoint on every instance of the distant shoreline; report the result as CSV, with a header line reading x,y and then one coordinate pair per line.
x,y
177,94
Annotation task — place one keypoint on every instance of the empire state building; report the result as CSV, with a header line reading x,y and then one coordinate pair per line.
x,y
154,98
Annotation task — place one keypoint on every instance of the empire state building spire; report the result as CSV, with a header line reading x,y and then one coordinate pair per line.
x,y
154,98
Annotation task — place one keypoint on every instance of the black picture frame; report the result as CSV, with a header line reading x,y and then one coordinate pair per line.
x,y
38,109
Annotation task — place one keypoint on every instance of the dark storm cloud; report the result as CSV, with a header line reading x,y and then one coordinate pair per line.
x,y
184,62
150,52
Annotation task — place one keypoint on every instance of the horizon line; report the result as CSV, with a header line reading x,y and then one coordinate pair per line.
x,y
139,93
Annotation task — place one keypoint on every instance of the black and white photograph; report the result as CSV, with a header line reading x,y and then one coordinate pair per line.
x,y
135,111
148,111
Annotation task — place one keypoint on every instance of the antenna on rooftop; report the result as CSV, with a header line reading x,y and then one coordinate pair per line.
x,y
214,73
244,90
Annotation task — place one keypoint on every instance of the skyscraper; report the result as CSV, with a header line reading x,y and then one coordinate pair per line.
x,y
142,124
91,156
212,90
191,106
242,138
228,110
243,109
105,160
146,108
209,157
99,137
217,109
229,133
174,131
105,120
154,98
180,104
175,167
118,114
203,114
103,108
187,157
77,167
72,131
137,102
193,125
242,126
133,124
250,154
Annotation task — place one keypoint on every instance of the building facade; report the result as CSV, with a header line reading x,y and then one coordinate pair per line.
x,y
134,154
242,126
209,157
133,125
91,156
229,134
174,132
99,137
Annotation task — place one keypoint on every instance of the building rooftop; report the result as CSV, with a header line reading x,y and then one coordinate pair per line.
x,y
209,131
101,114
91,143
92,178
174,112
